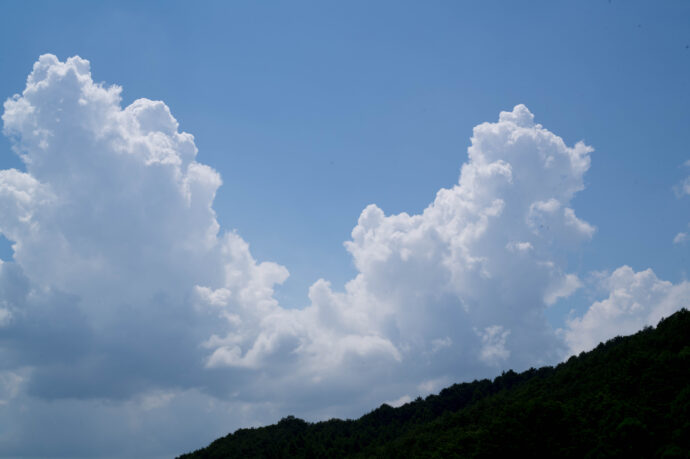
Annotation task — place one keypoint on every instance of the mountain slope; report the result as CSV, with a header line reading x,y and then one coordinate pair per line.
x,y
628,397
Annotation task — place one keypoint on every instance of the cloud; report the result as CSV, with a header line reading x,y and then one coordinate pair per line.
x,y
683,188
636,299
493,349
483,256
157,425
112,225
399,401
563,289
125,300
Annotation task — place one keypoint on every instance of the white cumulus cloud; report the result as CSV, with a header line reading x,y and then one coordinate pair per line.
x,y
482,256
126,301
636,299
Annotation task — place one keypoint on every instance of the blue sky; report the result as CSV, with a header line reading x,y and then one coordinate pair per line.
x,y
309,112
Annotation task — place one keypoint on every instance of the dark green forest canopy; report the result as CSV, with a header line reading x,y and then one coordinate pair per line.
x,y
629,397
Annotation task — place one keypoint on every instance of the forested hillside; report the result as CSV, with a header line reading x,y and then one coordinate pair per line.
x,y
629,397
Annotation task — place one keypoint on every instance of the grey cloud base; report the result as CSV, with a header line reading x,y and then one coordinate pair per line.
x,y
127,313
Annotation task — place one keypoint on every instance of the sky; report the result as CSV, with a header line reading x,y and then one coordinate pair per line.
x,y
218,214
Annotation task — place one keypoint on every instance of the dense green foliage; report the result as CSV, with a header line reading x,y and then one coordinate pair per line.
x,y
629,397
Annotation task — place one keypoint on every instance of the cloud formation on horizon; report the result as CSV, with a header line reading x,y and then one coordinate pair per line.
x,y
124,288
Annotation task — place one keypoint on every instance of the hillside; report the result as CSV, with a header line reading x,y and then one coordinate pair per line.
x,y
629,397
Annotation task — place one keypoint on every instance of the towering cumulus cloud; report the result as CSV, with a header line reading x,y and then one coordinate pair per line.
x,y
127,312
464,282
